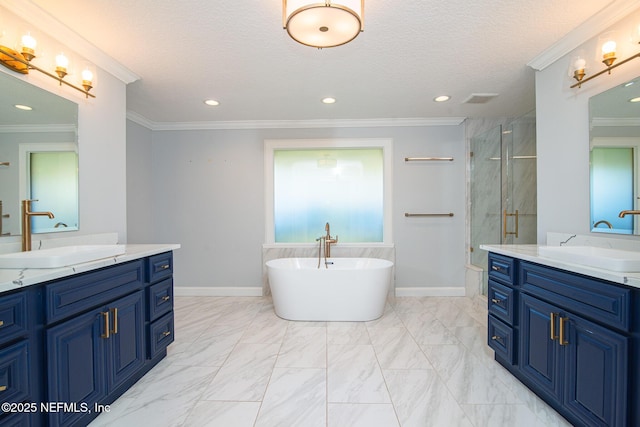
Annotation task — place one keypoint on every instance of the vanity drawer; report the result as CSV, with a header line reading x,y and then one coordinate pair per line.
x,y
67,297
502,268
598,300
160,335
159,299
159,267
501,301
501,340
13,316
14,372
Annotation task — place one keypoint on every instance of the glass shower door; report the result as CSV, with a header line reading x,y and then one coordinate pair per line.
x,y
503,188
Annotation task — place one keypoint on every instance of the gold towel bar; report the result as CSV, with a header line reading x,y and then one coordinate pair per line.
x,y
5,163
427,214
413,159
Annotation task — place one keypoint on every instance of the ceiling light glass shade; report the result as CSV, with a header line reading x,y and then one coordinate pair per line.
x,y
325,24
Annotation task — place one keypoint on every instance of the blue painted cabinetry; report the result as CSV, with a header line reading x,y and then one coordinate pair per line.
x,y
84,340
575,341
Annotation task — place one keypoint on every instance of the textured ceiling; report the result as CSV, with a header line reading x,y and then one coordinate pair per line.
x,y
236,51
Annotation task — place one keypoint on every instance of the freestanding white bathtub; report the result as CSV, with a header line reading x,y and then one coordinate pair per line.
x,y
349,289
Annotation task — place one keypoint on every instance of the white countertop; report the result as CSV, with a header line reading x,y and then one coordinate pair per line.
x,y
530,253
11,279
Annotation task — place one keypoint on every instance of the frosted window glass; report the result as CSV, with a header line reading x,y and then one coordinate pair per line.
x,y
341,186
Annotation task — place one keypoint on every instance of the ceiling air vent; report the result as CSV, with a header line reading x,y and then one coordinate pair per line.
x,y
479,98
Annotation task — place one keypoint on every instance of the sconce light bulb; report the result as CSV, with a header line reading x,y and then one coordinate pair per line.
x,y
28,41
609,47
28,47
62,61
579,64
87,75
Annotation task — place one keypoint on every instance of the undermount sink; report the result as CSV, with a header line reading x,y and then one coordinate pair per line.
x,y
63,256
608,259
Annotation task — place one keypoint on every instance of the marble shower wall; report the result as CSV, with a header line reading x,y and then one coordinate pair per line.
x,y
270,252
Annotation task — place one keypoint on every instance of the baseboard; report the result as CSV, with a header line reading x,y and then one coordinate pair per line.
x,y
430,292
216,291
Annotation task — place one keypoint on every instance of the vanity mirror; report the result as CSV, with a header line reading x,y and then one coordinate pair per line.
x,y
38,156
614,144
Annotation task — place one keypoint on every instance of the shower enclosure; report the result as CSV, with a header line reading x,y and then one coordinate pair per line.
x,y
503,188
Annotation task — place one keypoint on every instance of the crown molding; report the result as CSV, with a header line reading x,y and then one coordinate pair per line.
x,y
605,18
293,124
48,128
35,15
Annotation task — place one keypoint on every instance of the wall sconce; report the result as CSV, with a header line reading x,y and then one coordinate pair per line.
x,y
608,49
20,62
323,24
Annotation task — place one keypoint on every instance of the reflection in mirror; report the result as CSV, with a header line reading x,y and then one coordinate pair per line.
x,y
38,144
614,120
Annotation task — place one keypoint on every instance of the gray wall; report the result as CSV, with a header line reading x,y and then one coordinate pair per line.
x,y
208,195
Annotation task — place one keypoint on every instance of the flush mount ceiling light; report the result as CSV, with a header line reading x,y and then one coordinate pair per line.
x,y
23,107
328,100
211,102
324,24
442,98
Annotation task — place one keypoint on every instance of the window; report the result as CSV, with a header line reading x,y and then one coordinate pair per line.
x,y
343,182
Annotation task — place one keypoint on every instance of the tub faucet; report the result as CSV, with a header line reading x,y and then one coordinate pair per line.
x,y
26,223
632,212
328,240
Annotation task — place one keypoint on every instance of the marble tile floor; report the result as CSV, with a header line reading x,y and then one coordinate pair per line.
x,y
234,363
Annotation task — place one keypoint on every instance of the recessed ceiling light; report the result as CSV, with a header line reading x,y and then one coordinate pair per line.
x,y
442,98
328,100
636,99
212,102
23,107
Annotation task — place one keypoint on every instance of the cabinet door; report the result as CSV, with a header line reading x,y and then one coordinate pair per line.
x,y
596,373
539,355
126,343
76,364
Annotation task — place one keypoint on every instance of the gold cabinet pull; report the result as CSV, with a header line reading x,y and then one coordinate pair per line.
x,y
496,338
164,266
563,321
105,319
114,313
496,300
166,298
1,323
3,387
166,334
552,331
495,268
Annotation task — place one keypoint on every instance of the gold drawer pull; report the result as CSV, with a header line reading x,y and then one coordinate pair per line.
x,y
1,323
166,298
496,338
496,301
164,266
166,334
105,318
3,387
114,313
552,330
495,268
563,321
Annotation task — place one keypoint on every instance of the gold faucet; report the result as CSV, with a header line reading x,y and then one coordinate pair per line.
x,y
328,240
623,213
26,223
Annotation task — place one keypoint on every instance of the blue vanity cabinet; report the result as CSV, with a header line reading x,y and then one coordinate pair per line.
x,y
501,298
576,344
20,371
160,332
